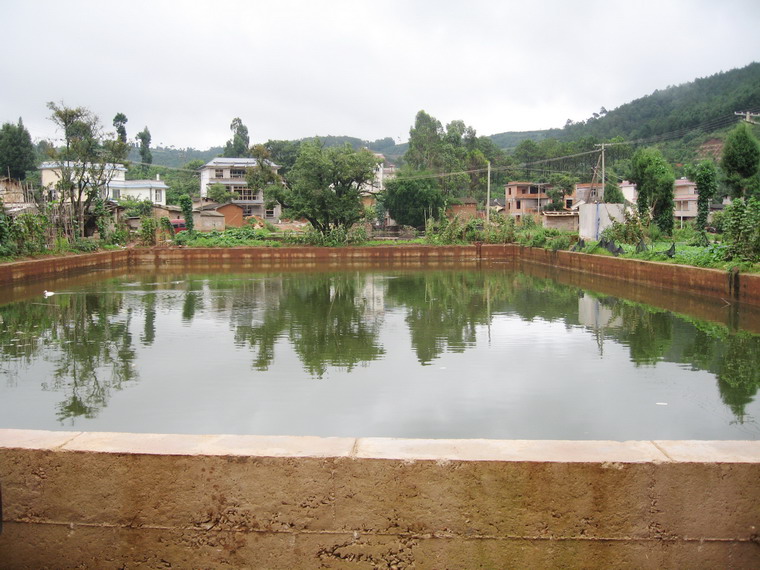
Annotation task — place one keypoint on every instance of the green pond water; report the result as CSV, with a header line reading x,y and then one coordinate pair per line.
x,y
427,353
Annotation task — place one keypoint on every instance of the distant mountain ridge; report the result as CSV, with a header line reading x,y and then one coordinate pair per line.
x,y
707,104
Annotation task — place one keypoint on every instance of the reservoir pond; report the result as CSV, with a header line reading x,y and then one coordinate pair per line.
x,y
494,352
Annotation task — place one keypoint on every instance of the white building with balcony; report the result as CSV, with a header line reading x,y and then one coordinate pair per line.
x,y
230,172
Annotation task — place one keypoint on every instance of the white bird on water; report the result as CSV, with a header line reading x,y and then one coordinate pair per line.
x,y
47,293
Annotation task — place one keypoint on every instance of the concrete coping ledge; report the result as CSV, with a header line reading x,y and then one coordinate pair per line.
x,y
407,450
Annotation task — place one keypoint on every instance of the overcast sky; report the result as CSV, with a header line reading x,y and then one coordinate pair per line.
x,y
297,68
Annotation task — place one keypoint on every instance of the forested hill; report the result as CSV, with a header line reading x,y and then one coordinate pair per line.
x,y
708,103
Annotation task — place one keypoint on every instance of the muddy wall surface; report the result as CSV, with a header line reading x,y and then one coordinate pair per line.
x,y
93,500
729,285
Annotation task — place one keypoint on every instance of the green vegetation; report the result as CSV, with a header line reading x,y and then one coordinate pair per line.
x,y
146,157
237,146
17,154
654,180
187,212
232,237
85,160
324,186
741,159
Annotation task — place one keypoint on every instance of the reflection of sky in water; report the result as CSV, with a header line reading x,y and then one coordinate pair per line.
x,y
513,378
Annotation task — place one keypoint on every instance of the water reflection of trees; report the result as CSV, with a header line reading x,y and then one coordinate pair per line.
x,y
87,340
326,317
334,319
654,335
444,308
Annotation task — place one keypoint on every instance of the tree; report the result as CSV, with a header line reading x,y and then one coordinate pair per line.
x,y
457,155
612,192
705,174
654,179
86,161
262,175
325,185
118,122
413,197
218,193
741,159
237,146
284,154
186,203
17,154
425,141
146,157
561,185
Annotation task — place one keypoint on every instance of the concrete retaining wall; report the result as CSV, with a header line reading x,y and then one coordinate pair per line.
x,y
731,286
91,500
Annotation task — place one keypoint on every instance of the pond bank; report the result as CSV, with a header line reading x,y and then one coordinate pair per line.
x,y
731,286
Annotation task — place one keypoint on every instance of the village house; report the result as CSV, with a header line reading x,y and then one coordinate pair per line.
x,y
383,172
466,209
525,198
113,182
685,199
231,172
588,193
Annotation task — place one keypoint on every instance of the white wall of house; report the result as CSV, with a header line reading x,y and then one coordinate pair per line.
x,y
594,218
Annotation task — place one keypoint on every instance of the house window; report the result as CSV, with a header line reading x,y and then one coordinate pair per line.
x,y
517,206
219,173
568,203
269,214
245,193
115,193
237,173
158,196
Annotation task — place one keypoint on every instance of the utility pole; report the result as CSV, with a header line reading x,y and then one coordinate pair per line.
x,y
488,195
603,173
748,116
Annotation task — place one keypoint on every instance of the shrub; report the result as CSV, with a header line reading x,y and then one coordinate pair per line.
x,y
335,237
148,227
742,230
630,231
84,245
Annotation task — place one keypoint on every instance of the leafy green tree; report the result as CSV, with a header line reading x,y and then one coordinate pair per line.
x,y
654,179
741,229
741,159
17,153
283,153
184,181
146,157
325,185
237,146
456,155
218,193
705,175
85,161
262,175
612,193
561,186
425,142
118,122
186,203
413,197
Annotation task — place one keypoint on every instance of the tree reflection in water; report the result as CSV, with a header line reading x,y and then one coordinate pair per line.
x,y
335,319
